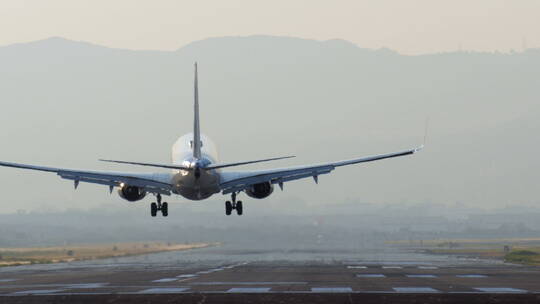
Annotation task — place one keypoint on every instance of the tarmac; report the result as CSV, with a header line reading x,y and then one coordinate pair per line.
x,y
180,277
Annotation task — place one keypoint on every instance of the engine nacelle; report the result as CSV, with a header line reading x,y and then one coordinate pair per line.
x,y
261,190
131,193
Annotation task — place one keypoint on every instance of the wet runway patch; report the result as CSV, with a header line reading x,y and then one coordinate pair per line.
x,y
421,276
500,290
163,290
371,275
331,289
415,289
249,289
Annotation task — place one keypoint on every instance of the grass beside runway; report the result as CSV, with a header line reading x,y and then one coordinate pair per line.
x,y
70,253
513,250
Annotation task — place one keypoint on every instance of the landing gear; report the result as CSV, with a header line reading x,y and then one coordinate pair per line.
x,y
229,207
155,207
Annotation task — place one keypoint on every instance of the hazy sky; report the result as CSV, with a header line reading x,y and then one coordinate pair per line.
x,y
410,27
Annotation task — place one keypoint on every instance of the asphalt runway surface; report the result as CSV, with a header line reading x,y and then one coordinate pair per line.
x,y
226,275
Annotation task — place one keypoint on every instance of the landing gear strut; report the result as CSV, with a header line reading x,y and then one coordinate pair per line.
x,y
155,207
234,205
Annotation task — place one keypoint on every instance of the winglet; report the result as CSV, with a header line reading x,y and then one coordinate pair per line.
x,y
196,124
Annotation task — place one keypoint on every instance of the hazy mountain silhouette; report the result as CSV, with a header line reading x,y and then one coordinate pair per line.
x,y
67,103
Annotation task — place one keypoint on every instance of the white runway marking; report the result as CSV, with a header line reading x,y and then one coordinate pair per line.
x,y
415,289
428,267
38,291
371,275
501,289
331,289
471,276
163,290
8,280
165,280
421,276
392,267
356,267
85,285
249,290
184,276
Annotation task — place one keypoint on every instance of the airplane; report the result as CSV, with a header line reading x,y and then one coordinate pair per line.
x,y
196,173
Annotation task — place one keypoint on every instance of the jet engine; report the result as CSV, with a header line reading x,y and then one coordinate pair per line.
x,y
131,193
261,190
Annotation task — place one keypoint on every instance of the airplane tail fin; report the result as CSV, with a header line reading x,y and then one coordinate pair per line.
x,y
196,125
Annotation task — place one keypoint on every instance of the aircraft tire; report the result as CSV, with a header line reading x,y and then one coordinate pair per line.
x,y
165,209
228,208
239,208
153,209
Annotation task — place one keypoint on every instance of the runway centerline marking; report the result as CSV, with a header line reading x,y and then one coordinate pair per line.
x,y
471,276
392,267
421,276
163,290
8,280
184,276
415,289
500,289
370,275
85,285
428,267
331,289
249,290
165,280
356,267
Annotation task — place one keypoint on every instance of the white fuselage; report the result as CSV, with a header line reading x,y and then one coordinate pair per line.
x,y
196,184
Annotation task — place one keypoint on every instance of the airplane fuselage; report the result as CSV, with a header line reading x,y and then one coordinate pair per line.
x,y
195,184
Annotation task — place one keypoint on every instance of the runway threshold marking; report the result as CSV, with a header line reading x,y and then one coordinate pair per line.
x,y
370,275
331,289
500,289
165,280
471,276
249,289
415,289
421,276
163,290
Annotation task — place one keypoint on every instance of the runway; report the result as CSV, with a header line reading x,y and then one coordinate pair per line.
x,y
266,281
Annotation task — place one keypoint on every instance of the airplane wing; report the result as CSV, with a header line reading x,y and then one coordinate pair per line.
x,y
239,181
151,182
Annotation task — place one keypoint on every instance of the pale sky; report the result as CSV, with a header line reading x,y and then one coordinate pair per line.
x,y
407,26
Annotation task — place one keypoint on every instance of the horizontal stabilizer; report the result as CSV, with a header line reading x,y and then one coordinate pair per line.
x,y
146,164
219,166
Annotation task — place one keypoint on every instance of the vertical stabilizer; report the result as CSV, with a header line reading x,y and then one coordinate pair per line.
x,y
196,126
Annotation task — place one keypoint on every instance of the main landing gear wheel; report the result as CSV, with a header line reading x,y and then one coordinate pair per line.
x,y
228,208
239,208
234,205
155,207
